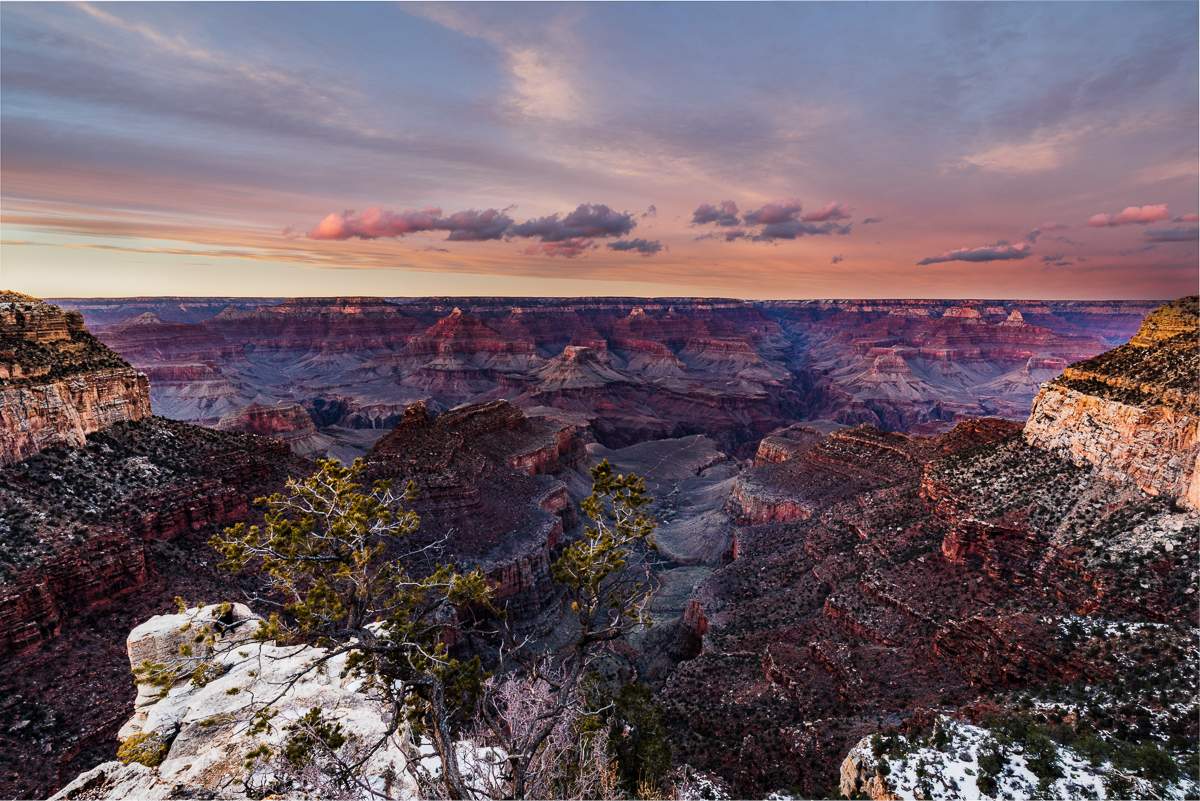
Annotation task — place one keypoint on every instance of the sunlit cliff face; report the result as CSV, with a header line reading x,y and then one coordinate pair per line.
x,y
807,150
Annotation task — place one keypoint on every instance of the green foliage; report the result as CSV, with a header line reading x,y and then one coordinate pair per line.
x,y
208,672
941,735
337,553
991,761
305,735
594,568
1146,759
637,738
1096,749
1041,756
149,748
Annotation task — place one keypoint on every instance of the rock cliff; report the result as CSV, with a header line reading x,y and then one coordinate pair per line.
x,y
57,382
91,540
288,422
1134,411
729,369
485,487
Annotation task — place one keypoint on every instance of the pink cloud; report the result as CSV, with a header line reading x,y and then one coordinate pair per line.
x,y
1193,217
568,248
375,222
786,210
833,211
727,214
1132,214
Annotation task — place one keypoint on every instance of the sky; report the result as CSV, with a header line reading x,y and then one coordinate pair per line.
x,y
782,150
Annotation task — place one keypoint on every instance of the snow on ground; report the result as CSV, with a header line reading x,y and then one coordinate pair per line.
x,y
954,772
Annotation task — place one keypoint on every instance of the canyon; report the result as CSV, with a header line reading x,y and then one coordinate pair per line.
x,y
859,531
105,526
627,369
881,579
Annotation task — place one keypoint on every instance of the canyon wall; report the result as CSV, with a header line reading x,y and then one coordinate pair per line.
x,y
1134,411
912,575
58,383
632,368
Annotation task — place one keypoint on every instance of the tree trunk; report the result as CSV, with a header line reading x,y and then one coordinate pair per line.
x,y
443,743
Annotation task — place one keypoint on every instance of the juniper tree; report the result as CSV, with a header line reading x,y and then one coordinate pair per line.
x,y
608,584
337,554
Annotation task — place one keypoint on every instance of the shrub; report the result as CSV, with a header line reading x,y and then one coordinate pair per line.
x,y
149,748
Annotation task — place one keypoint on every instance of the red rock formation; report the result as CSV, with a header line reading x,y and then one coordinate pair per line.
x,y
480,473
729,369
82,579
289,422
314,325
58,383
1134,412
689,636
147,339
281,421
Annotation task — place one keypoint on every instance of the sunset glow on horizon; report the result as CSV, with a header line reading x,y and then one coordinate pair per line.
x,y
982,150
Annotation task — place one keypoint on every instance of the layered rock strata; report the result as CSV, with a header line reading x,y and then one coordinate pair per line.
x,y
78,523
1134,411
729,369
288,422
484,477
57,382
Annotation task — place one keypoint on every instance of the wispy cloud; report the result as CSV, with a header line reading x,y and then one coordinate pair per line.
x,y
1044,150
567,248
832,211
997,252
1172,235
640,246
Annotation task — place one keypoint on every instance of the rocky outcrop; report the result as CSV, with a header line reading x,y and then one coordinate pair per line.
x,y
1134,412
205,746
786,444
860,775
689,634
483,475
289,422
753,504
846,462
281,421
57,382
